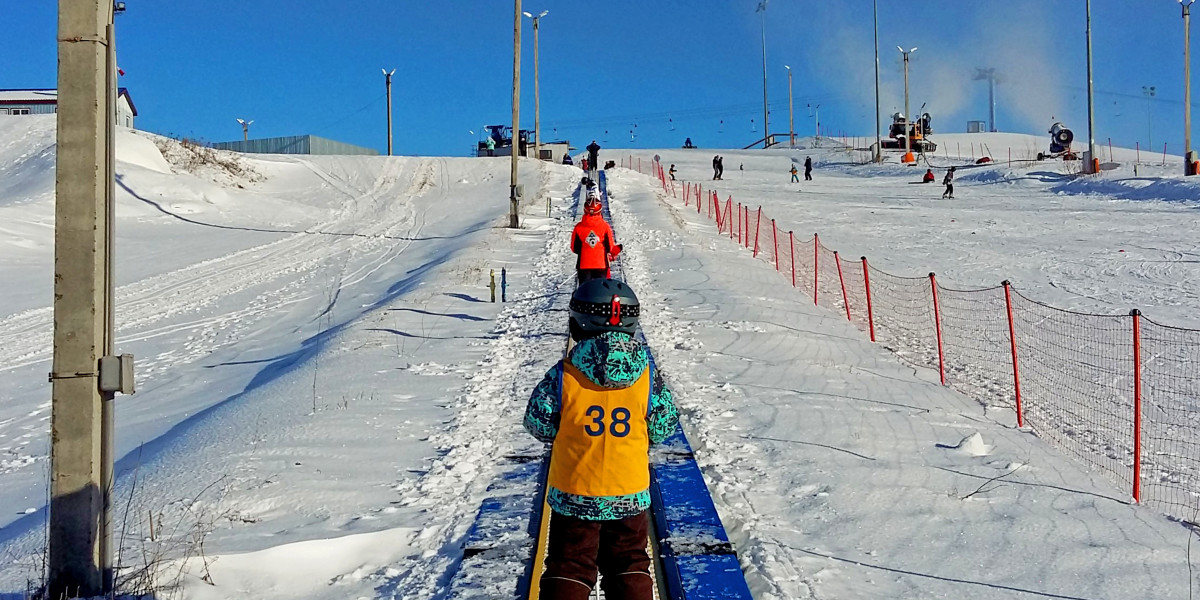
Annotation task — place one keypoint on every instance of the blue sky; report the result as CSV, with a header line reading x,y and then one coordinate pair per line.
x,y
611,67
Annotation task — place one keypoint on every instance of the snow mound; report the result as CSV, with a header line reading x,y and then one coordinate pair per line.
x,y
972,445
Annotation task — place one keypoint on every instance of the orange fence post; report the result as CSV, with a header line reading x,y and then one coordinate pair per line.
x,y
757,224
937,322
775,244
816,265
1012,337
1137,404
845,297
870,309
792,253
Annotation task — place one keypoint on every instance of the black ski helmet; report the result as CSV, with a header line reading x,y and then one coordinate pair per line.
x,y
601,305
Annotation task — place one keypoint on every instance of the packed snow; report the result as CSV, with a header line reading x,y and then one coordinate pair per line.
x,y
326,390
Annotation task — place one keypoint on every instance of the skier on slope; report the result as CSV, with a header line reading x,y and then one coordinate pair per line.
x,y
601,408
592,239
948,181
594,154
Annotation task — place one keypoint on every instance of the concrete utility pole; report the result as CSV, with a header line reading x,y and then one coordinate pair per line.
x,y
791,111
908,155
878,134
762,10
991,77
513,219
1092,162
387,82
537,96
1189,161
79,554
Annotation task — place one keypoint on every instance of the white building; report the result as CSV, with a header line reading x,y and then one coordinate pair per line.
x,y
40,102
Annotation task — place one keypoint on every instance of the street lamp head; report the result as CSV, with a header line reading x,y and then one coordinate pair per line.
x,y
762,6
900,49
543,13
787,67
530,15
241,121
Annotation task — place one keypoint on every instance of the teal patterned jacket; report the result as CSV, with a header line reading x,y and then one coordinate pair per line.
x,y
612,360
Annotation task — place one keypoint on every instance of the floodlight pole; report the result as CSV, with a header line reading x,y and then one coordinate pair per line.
x,y
791,111
1090,167
513,219
762,10
908,156
387,82
79,555
1149,91
537,96
878,134
1188,162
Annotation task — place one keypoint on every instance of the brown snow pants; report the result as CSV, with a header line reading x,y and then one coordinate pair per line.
x,y
579,548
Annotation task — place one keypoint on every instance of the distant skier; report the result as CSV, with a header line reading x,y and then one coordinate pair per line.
x,y
592,239
716,167
928,177
808,168
601,407
671,172
583,162
795,177
720,167
688,143
948,181
593,154
567,160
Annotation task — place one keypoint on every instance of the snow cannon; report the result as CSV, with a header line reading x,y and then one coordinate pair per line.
x,y
1060,143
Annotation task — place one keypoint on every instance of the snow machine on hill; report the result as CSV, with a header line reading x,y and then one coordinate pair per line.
x,y
1060,144
917,130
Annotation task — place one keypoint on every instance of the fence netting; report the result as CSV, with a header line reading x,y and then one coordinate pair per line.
x,y
903,308
975,344
1171,419
1077,383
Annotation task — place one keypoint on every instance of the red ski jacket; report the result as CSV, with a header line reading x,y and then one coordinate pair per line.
x,y
593,241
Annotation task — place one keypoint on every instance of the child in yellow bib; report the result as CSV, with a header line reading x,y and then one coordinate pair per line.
x,y
601,408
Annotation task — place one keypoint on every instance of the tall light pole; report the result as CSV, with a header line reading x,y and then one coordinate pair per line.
x,y
1092,162
537,98
245,129
908,155
791,111
1149,91
878,135
762,11
1189,162
816,120
513,220
387,82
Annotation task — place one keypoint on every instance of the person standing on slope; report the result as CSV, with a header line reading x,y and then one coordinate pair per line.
x,y
601,407
948,181
592,239
795,178
716,166
594,154
808,168
671,172
720,167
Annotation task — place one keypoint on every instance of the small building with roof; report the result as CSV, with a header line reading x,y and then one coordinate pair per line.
x,y
45,102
